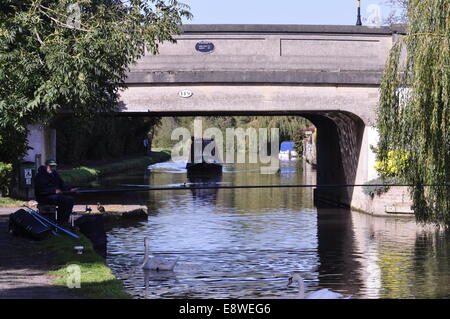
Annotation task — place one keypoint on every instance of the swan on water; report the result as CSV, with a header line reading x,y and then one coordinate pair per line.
x,y
157,263
320,294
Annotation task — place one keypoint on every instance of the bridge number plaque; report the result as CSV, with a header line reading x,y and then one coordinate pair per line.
x,y
185,93
204,47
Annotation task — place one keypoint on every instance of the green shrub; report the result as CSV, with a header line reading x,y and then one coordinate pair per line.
x,y
377,186
395,163
299,138
5,177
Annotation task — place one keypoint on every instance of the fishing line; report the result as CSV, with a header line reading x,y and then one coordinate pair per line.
x,y
188,187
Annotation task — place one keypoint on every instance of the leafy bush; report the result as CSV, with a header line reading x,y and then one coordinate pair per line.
x,y
5,177
377,186
298,142
394,163
13,143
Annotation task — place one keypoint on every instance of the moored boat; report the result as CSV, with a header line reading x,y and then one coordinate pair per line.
x,y
287,151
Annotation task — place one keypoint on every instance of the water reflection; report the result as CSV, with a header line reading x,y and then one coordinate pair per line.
x,y
205,180
244,243
397,262
339,260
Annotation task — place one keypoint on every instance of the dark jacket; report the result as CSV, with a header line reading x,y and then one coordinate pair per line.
x,y
46,183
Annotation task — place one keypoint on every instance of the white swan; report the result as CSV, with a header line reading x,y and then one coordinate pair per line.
x,y
320,294
157,263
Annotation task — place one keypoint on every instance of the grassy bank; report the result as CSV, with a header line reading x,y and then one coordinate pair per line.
x,y
86,174
10,202
97,281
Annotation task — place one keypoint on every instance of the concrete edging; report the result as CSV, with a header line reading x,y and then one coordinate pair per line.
x,y
371,78
290,28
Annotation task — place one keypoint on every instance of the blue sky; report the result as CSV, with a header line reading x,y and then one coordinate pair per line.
x,y
342,12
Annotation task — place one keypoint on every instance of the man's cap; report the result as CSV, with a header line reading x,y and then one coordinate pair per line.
x,y
50,162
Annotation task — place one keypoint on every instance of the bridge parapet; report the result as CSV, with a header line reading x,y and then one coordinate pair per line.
x,y
270,54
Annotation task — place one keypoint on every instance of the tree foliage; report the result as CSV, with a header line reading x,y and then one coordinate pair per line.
x,y
393,163
66,56
289,125
299,140
414,110
5,178
101,138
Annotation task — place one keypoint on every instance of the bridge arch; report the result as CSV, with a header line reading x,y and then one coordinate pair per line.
x,y
340,144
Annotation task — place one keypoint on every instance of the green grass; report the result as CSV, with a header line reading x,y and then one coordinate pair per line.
x,y
97,281
10,202
85,174
79,175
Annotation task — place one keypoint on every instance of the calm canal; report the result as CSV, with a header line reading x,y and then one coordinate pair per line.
x,y
243,243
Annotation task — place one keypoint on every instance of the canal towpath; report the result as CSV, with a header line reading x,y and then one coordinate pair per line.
x,y
24,267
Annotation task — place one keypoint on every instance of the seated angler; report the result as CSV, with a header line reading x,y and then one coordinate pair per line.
x,y
49,188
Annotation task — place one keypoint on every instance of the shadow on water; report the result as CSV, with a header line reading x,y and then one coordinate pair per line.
x,y
339,265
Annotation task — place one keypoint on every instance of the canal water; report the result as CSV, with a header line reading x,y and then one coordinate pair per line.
x,y
244,243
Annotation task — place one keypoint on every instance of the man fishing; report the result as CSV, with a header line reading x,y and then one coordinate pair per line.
x,y
49,189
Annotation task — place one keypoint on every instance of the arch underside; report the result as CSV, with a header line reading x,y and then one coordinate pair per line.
x,y
339,143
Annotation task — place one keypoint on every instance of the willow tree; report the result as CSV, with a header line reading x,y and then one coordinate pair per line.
x,y
73,56
414,109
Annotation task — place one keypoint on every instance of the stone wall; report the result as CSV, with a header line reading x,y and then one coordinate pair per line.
x,y
42,140
396,201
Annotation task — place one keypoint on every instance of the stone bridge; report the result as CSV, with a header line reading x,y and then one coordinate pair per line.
x,y
327,74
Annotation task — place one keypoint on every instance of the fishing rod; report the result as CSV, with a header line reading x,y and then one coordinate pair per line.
x,y
42,219
186,187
